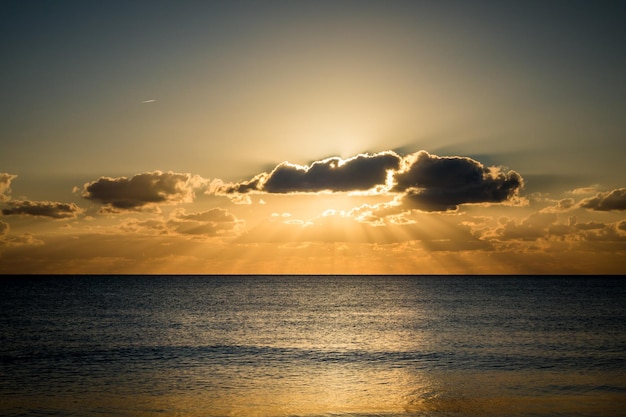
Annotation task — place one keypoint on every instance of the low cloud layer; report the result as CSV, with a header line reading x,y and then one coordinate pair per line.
x,y
212,222
51,209
541,229
426,182
203,224
612,200
5,185
139,191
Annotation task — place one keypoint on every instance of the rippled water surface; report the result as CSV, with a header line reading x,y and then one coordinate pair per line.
x,y
277,346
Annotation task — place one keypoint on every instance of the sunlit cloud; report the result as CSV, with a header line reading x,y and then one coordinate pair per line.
x,y
5,185
532,227
14,240
203,224
155,226
51,209
585,190
612,200
379,214
213,222
242,199
281,215
550,227
143,191
564,204
590,225
611,232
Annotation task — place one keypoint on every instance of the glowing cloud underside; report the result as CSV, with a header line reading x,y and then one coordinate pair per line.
x,y
5,186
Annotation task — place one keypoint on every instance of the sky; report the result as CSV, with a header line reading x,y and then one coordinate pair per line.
x,y
327,137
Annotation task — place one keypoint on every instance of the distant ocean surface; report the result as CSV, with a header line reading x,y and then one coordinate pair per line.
x,y
279,346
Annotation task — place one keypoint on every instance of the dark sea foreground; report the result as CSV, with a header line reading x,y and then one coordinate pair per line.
x,y
277,346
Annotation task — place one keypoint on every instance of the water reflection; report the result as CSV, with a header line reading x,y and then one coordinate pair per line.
x,y
507,393
324,388
313,346
344,391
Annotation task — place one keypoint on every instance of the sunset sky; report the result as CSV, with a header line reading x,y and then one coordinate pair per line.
x,y
388,137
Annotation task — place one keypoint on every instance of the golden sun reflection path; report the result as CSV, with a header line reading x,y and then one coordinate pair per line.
x,y
313,346
333,356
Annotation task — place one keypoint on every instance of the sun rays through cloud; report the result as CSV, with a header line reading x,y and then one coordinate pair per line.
x,y
385,137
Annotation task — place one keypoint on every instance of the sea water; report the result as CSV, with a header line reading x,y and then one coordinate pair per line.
x,y
278,346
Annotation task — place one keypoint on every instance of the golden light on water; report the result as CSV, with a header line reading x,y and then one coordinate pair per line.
x,y
346,390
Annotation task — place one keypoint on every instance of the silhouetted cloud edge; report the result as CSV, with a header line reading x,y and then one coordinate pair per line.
x,y
141,191
425,182
52,209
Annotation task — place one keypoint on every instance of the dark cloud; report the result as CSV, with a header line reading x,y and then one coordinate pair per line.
x,y
5,185
426,182
422,170
434,183
359,173
612,200
139,191
43,209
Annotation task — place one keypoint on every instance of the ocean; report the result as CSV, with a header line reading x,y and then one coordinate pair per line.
x,y
312,346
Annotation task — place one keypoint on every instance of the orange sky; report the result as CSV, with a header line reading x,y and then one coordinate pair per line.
x,y
334,137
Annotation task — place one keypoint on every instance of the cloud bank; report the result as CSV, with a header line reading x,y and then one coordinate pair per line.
x,y
142,190
51,209
203,224
213,222
612,200
426,182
